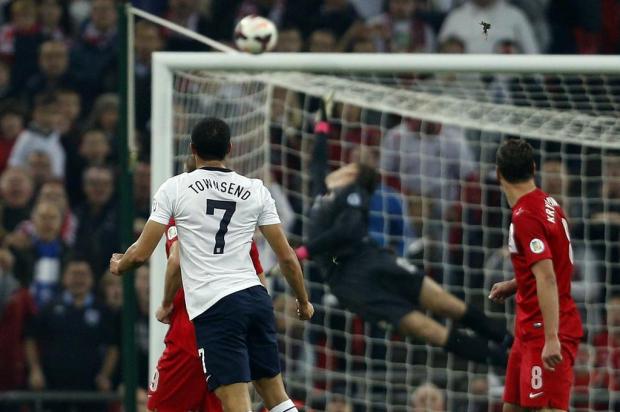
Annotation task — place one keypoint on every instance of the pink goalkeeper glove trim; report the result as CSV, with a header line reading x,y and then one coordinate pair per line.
x,y
302,253
321,127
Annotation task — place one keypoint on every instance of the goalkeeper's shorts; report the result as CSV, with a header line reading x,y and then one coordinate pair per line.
x,y
377,286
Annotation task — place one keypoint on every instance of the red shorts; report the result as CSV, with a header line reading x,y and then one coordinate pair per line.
x,y
531,386
179,385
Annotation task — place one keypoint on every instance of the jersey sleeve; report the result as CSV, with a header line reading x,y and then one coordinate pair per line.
x,y
531,238
269,214
255,258
161,210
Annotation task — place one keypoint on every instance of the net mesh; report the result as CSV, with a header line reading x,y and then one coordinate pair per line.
x,y
434,139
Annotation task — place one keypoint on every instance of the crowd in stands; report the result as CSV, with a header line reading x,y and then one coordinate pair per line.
x,y
59,109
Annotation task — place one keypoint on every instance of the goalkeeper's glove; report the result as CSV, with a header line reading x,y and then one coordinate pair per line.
x,y
302,253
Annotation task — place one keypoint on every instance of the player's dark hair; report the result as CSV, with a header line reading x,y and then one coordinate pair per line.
x,y
367,177
515,160
211,138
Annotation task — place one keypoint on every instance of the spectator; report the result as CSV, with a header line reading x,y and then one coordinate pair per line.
x,y
536,13
6,89
428,398
54,192
104,116
607,344
112,292
16,191
186,13
97,233
50,19
575,26
508,22
141,285
157,7
610,36
399,30
289,41
142,190
53,70
41,135
70,107
322,41
16,310
20,40
91,148
40,168
39,252
336,16
70,345
148,39
368,8
94,149
430,159
79,12
338,403
94,55
452,45
11,125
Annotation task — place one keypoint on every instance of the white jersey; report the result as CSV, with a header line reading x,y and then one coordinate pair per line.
x,y
216,213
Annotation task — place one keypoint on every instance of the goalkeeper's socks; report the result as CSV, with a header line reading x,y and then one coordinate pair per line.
x,y
286,406
486,327
475,349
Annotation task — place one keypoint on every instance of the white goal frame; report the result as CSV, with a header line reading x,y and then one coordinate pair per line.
x,y
164,63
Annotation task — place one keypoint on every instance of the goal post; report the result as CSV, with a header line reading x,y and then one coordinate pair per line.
x,y
443,193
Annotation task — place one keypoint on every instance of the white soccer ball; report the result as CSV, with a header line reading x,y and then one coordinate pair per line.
x,y
255,34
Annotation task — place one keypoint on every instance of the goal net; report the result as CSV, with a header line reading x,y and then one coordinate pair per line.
x,y
431,125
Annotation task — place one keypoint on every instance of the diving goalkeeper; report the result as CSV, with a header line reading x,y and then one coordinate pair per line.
x,y
370,281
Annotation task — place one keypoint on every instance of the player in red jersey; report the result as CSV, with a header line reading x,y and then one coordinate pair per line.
x,y
548,326
179,383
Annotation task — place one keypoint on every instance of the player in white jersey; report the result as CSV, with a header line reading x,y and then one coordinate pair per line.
x,y
216,212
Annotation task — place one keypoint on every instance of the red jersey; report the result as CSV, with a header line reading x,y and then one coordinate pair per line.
x,y
539,231
181,332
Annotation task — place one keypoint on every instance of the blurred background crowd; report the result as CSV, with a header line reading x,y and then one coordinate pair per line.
x,y
59,307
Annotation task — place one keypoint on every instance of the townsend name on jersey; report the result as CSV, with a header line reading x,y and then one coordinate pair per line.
x,y
225,187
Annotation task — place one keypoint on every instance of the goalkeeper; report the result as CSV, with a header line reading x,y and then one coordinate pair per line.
x,y
373,283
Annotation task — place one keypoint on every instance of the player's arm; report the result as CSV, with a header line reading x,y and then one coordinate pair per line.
x,y
138,253
547,291
172,283
290,267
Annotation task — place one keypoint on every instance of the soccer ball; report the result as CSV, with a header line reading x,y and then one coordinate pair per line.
x,y
255,34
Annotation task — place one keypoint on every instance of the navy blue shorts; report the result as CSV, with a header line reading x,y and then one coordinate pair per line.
x,y
237,338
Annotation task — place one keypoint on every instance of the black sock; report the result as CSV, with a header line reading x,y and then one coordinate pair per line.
x,y
475,349
477,321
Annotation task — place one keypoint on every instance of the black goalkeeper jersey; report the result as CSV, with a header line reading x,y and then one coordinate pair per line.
x,y
338,226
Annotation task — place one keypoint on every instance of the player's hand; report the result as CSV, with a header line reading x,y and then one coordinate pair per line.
x,y
305,310
552,353
36,379
103,383
114,263
502,291
163,313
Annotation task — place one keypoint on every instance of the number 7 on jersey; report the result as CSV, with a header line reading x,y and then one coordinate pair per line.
x,y
229,209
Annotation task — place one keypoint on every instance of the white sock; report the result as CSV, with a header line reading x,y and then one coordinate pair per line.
x,y
286,406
